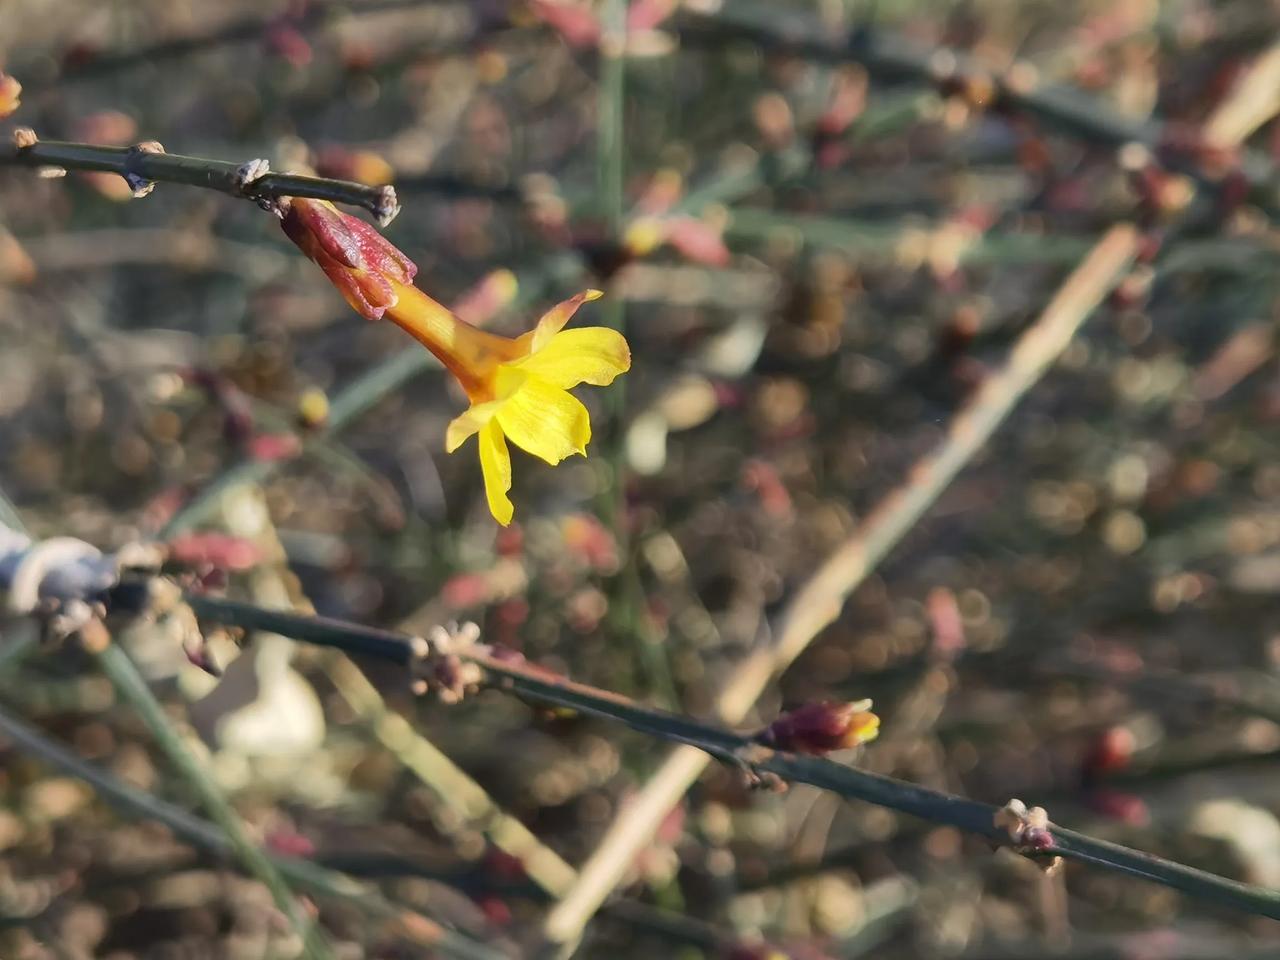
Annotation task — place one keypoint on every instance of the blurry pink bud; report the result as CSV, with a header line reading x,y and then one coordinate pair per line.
x,y
494,293
272,447
219,550
465,590
587,537
947,623
762,477
698,241
847,101
647,14
1126,808
495,910
289,843
575,22
282,39
1112,750
509,541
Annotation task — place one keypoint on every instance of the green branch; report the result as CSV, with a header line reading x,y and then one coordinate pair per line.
x,y
304,874
147,164
133,689
741,750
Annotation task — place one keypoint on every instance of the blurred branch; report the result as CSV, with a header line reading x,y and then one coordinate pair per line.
x,y
133,689
820,600
451,784
741,751
238,31
143,165
882,241
305,875
178,247
891,57
1018,87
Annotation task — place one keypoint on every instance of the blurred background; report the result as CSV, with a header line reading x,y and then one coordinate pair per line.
x,y
821,225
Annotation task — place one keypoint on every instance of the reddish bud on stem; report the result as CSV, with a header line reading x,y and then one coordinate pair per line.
x,y
819,728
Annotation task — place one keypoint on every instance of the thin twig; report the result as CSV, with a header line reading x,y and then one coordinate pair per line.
x,y
146,164
201,833
739,750
134,690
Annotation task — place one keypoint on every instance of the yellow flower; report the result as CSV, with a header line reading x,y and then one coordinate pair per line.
x,y
518,388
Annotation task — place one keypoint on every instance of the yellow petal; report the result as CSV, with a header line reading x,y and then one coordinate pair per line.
x,y
495,464
553,320
546,421
464,425
587,355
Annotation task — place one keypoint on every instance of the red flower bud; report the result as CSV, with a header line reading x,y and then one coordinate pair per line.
x,y
357,259
822,727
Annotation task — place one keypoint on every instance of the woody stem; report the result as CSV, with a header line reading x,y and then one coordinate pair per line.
x,y
226,176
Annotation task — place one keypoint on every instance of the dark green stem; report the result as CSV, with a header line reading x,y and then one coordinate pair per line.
x,y
134,690
139,167
304,874
735,748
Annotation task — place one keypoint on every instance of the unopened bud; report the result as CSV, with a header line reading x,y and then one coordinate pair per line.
x,y
357,259
819,728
